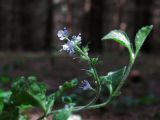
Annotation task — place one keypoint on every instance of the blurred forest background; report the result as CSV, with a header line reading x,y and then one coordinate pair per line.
x,y
29,46
31,25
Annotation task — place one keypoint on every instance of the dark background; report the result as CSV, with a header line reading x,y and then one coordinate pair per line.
x,y
29,46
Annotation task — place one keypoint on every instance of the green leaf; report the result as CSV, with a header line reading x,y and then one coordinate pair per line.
x,y
1,106
116,76
51,99
4,98
68,85
112,79
62,115
91,73
29,92
122,38
67,99
141,36
23,108
23,117
95,61
50,102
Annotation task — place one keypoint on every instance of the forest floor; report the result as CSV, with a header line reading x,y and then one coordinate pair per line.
x,y
142,84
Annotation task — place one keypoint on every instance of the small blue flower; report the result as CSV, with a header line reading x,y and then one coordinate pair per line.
x,y
63,34
69,47
66,106
85,85
77,39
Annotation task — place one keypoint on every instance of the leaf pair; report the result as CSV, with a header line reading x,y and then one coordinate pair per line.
x,y
113,79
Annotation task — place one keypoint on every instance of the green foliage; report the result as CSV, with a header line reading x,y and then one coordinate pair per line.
x,y
62,114
4,98
122,38
27,92
141,36
112,79
51,98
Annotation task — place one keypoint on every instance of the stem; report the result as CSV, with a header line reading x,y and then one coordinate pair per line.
x,y
117,89
96,79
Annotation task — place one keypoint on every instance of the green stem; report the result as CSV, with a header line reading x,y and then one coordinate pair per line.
x,y
96,79
117,89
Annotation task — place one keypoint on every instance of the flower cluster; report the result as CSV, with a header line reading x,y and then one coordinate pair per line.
x,y
69,43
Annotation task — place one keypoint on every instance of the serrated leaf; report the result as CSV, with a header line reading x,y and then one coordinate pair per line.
x,y
122,38
141,36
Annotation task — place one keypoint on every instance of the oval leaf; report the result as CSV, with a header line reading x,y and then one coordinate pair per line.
x,y
120,37
141,36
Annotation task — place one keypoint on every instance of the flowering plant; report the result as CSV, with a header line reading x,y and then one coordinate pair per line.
x,y
27,93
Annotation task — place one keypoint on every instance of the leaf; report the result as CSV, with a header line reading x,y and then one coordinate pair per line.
x,y
141,36
67,99
29,92
68,85
116,76
113,78
62,115
5,95
1,106
23,117
23,108
51,98
4,98
95,61
118,36
91,73
122,38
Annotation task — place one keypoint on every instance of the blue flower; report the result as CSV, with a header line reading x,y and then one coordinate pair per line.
x,y
66,106
69,47
85,85
63,34
77,39
69,43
